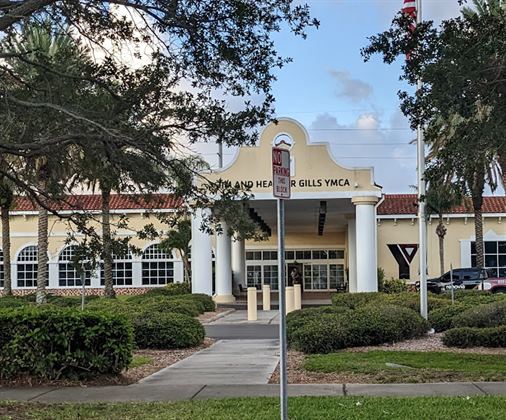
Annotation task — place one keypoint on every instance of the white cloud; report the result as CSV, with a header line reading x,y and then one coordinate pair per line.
x,y
368,143
353,89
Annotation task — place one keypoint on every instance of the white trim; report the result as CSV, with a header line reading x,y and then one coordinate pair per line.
x,y
304,195
433,217
117,211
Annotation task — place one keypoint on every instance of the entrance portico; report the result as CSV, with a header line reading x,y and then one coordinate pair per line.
x,y
330,221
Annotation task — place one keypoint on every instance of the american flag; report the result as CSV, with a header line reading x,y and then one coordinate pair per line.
x,y
409,9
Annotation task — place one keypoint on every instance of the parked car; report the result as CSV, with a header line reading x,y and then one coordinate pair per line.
x,y
463,278
495,285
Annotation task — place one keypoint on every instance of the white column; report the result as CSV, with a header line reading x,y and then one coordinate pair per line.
x,y
53,275
137,272
352,256
238,262
367,276
201,256
223,267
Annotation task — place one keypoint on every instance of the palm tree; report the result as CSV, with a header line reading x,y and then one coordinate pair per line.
x,y
47,172
6,200
179,239
441,198
484,7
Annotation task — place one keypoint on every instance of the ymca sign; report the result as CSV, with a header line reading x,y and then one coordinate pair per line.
x,y
280,173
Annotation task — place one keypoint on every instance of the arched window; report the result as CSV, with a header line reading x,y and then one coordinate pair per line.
x,y
121,270
27,267
1,268
157,266
67,274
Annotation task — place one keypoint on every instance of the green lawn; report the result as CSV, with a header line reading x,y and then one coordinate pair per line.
x,y
420,366
139,360
303,408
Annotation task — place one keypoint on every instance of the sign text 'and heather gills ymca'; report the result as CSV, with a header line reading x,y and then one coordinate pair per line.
x,y
295,183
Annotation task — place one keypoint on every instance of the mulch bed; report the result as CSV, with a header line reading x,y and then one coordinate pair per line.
x,y
298,375
159,360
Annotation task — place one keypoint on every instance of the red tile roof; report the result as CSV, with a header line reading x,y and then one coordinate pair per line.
x,y
408,204
94,202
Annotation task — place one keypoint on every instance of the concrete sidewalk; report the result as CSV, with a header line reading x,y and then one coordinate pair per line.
x,y
226,362
158,392
240,317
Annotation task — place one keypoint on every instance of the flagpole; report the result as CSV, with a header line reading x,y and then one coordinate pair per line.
x,y
422,221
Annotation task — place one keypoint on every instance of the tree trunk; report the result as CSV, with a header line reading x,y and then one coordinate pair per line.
x,y
42,245
107,243
186,265
502,164
441,232
478,231
6,248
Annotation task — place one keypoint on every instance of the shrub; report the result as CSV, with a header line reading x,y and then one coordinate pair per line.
x,y
52,343
473,337
409,300
367,325
393,286
12,302
297,319
207,301
171,289
167,331
441,319
160,303
482,316
203,302
355,300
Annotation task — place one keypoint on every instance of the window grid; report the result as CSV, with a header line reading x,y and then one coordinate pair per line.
x,y
157,266
254,276
122,274
67,274
297,255
270,276
27,267
494,256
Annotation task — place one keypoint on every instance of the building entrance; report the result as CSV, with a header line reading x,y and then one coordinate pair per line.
x,y
315,269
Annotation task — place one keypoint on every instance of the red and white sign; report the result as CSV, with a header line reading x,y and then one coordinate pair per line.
x,y
281,173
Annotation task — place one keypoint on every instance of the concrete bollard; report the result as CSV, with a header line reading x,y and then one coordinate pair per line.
x,y
252,303
266,297
297,296
289,299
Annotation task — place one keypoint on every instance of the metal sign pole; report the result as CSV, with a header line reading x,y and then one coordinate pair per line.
x,y
283,383
453,288
83,288
281,190
422,223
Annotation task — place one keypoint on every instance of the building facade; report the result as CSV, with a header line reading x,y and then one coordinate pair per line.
x,y
340,228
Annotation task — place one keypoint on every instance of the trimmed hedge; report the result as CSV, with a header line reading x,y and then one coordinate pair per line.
x,y
160,303
473,337
483,316
409,300
299,318
393,286
368,325
51,343
171,289
442,319
167,331
355,300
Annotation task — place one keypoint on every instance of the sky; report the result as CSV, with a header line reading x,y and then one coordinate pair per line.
x,y
342,100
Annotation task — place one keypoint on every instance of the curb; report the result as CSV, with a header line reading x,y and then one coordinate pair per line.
x,y
220,315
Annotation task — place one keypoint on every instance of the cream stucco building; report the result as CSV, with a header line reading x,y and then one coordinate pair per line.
x,y
340,228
